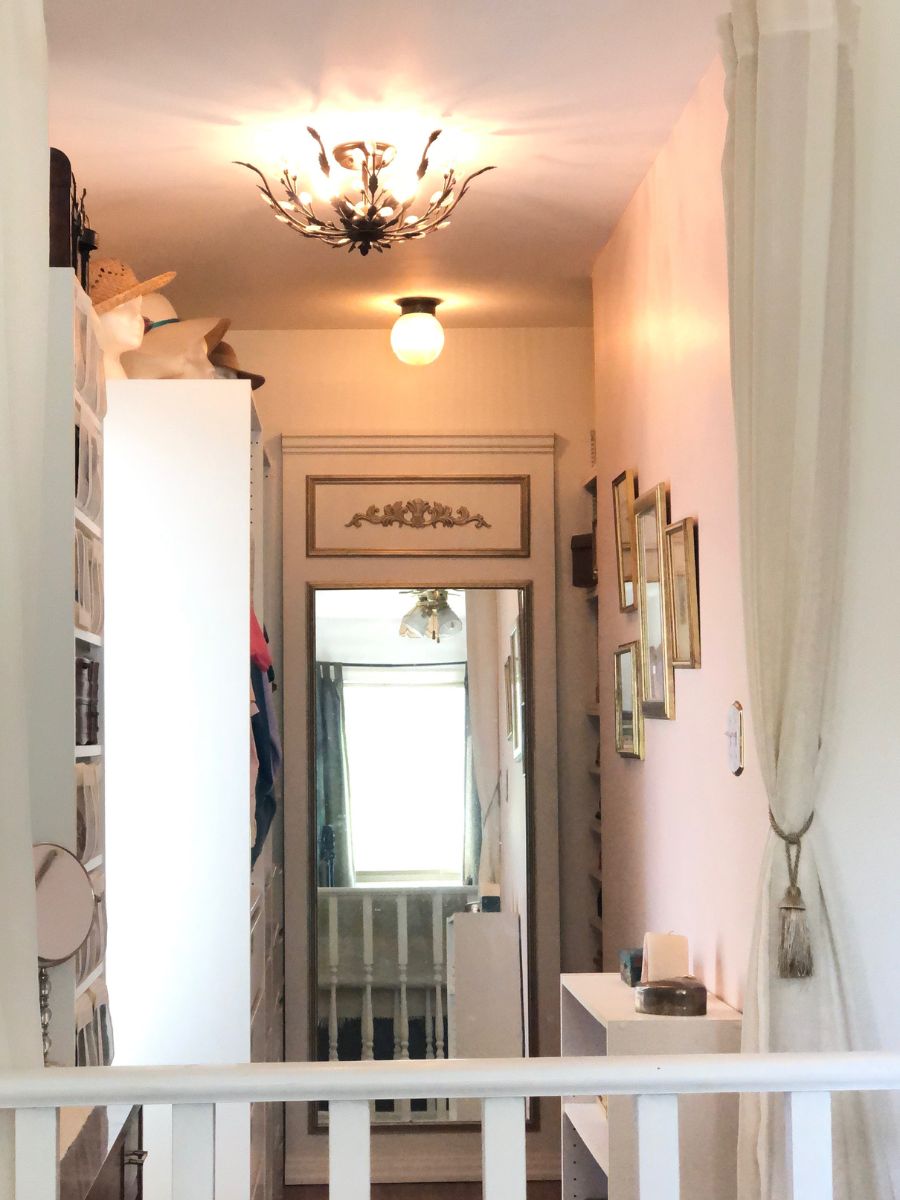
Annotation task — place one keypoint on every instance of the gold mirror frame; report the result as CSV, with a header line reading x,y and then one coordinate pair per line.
x,y
629,650
624,488
525,627
655,502
687,528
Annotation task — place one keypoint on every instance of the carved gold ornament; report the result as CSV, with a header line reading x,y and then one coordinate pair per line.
x,y
418,514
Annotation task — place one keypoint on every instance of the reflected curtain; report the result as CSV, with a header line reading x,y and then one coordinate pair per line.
x,y
24,255
472,843
483,695
332,778
788,181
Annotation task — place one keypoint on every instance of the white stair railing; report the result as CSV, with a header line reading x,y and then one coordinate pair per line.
x,y
808,1080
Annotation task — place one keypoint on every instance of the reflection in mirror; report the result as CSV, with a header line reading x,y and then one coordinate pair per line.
x,y
421,829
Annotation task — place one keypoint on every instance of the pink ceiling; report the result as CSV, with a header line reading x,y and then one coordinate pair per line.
x,y
152,101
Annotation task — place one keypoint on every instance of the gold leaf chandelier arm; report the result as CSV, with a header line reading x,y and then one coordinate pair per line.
x,y
323,157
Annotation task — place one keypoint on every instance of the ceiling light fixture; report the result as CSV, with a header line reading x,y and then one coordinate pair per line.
x,y
417,337
372,212
431,616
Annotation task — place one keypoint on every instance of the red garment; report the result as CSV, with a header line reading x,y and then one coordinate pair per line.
x,y
259,647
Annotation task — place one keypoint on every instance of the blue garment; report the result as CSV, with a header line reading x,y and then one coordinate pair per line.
x,y
268,751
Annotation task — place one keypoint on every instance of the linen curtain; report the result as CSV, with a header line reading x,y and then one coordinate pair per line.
x,y
472,835
24,255
788,182
483,693
332,776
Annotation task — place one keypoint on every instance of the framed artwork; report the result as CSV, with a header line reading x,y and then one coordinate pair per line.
x,y
507,679
624,490
657,673
681,562
434,516
517,690
629,717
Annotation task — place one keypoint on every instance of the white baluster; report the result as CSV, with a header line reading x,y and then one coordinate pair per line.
x,y
333,964
503,1149
368,1026
402,965
395,1025
437,954
402,997
809,1116
36,1154
429,1027
193,1151
657,1130
349,1150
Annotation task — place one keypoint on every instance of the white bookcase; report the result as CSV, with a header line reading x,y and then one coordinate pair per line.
x,y
599,1145
68,531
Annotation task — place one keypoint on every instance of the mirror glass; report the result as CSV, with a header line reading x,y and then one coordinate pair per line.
x,y
422,829
65,903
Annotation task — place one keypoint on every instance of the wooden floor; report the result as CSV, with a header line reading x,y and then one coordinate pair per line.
x,y
537,1190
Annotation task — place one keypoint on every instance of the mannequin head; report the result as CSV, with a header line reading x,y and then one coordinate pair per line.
x,y
172,348
122,330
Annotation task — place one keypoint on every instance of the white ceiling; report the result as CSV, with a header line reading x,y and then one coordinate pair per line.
x,y
152,101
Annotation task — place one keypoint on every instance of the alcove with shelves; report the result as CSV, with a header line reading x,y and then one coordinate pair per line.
x,y
592,715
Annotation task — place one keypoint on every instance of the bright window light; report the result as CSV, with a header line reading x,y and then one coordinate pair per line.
x,y
406,754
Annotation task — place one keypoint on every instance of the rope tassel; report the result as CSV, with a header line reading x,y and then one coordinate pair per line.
x,y
795,956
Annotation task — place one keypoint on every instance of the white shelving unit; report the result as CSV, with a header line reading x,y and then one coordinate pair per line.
x,y
185,485
72,509
599,1147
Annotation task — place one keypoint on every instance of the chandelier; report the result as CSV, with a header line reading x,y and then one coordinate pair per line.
x,y
431,616
373,211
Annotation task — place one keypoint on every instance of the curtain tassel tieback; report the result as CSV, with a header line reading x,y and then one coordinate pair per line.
x,y
795,957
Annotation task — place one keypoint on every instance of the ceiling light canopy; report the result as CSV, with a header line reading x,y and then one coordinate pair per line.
x,y
417,337
373,209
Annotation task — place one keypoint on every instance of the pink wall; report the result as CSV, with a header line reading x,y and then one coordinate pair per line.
x,y
682,837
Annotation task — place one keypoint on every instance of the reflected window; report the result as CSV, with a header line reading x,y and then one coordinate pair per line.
x,y
405,735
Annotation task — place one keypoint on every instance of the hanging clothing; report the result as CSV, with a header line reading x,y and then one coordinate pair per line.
x,y
266,754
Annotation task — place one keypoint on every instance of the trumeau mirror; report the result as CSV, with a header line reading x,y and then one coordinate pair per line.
x,y
422,830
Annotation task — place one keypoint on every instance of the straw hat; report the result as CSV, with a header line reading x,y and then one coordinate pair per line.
x,y
112,283
223,355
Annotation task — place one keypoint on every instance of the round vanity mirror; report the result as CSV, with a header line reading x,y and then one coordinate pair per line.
x,y
65,903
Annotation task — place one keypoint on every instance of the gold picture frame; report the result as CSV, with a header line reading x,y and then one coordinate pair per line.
x,y
657,670
624,492
629,713
684,605
507,680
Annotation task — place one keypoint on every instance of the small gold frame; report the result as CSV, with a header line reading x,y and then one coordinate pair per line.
x,y
657,670
684,605
624,491
625,747
507,679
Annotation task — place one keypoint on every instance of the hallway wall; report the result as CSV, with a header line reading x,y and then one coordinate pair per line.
x,y
682,837
486,381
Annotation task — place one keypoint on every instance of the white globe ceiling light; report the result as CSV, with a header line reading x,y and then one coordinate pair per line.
x,y
373,210
417,337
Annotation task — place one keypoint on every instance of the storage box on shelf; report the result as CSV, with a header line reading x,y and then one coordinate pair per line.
x,y
66,693
599,1147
